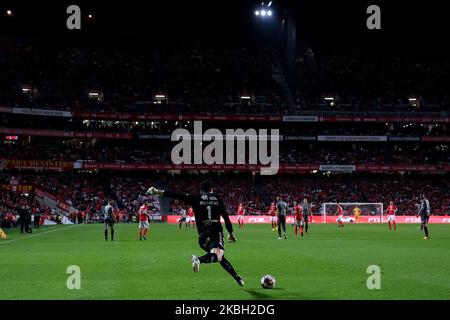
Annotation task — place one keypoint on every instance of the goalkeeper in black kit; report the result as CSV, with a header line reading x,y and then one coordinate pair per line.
x,y
208,208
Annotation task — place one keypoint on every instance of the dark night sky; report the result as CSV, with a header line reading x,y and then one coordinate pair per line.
x,y
406,25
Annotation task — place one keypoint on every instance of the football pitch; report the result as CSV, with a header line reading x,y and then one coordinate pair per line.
x,y
326,264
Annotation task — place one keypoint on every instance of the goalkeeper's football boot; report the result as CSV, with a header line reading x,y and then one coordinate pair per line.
x,y
240,282
195,263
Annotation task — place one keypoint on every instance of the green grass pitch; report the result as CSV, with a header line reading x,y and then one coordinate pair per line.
x,y
327,264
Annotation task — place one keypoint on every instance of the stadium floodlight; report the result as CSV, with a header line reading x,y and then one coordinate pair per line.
x,y
245,97
329,98
9,12
264,10
413,101
95,95
159,98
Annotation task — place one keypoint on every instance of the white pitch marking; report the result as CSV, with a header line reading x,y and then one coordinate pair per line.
x,y
40,234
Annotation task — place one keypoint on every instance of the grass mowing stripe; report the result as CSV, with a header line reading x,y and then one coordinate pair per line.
x,y
326,264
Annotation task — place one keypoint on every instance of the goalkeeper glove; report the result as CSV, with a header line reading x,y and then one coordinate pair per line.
x,y
154,191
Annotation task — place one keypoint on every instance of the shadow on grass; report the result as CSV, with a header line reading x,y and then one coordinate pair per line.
x,y
267,296
259,295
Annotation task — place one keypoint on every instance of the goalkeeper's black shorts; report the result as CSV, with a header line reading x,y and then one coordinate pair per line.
x,y
210,240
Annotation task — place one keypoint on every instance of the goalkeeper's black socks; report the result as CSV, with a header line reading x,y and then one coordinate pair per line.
x,y
426,231
306,227
112,234
212,257
208,258
106,235
229,268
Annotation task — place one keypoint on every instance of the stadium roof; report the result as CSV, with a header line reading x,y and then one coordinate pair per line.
x,y
405,24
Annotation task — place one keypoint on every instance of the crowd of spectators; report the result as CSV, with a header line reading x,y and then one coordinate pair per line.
x,y
88,192
367,154
211,80
257,193
290,153
167,127
12,202
368,81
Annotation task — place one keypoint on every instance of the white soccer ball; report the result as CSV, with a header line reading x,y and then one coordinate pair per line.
x,y
268,282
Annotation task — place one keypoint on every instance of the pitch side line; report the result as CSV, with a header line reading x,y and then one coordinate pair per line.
x,y
39,234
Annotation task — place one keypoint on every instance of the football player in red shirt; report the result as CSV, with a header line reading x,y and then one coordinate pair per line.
x,y
340,213
190,215
298,216
391,210
240,213
143,221
273,216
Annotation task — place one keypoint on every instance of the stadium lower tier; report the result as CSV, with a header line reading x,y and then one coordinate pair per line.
x,y
87,192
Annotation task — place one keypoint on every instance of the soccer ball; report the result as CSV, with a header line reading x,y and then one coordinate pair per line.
x,y
268,282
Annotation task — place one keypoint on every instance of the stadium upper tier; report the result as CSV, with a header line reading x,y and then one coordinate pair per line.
x,y
290,154
187,79
10,122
